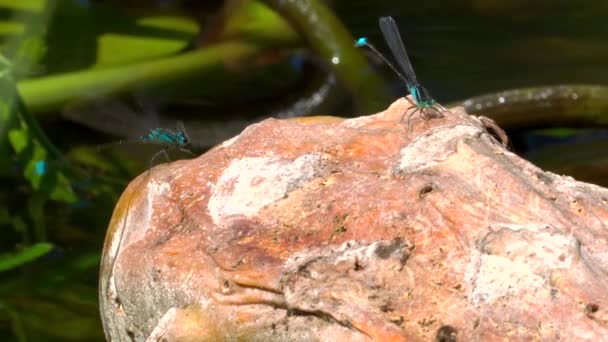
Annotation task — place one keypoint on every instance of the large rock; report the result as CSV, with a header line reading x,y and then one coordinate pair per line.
x,y
357,230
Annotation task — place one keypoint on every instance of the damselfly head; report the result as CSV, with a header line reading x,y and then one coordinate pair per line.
x,y
181,138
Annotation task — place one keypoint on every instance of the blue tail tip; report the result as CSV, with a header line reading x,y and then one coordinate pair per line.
x,y
361,41
40,167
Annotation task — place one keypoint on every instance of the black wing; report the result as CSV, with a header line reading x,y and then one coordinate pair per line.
x,y
390,31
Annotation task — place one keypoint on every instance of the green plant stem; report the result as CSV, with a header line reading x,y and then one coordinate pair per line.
x,y
549,106
43,95
35,129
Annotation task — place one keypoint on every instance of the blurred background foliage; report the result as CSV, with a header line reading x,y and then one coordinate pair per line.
x,y
76,75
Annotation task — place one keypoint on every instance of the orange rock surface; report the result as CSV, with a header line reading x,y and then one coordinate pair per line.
x,y
357,230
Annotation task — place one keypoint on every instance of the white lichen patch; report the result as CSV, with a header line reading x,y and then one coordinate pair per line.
x,y
499,277
249,184
551,250
429,149
517,261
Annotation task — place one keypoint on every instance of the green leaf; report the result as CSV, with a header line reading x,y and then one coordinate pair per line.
x,y
59,188
29,53
11,27
19,140
172,34
23,5
5,112
9,261
29,153
5,67
23,29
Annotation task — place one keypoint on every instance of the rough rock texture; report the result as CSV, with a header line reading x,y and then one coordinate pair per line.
x,y
357,230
